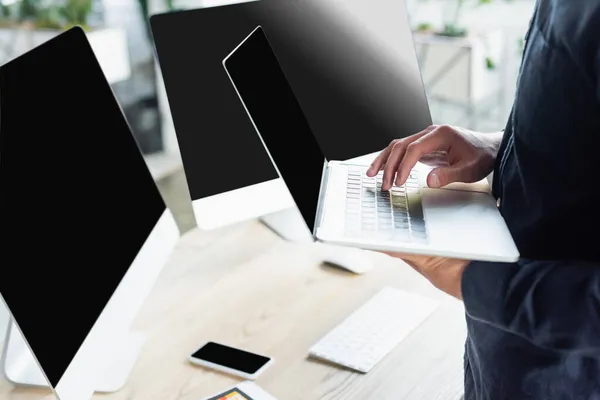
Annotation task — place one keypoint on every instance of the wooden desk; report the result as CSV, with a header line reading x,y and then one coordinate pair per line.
x,y
246,287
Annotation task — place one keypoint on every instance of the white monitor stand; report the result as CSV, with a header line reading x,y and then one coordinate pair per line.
x,y
288,224
21,368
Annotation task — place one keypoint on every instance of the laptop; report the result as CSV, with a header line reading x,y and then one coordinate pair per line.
x,y
338,202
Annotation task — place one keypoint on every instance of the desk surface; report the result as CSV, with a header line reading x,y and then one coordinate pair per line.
x,y
246,287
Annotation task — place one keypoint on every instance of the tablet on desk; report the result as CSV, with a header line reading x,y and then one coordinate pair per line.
x,y
243,391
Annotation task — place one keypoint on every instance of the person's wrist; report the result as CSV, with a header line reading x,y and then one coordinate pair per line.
x,y
448,276
493,142
491,148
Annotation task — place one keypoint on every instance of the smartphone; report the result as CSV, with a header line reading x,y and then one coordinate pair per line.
x,y
231,361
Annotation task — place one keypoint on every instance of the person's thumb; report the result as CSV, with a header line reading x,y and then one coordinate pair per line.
x,y
442,176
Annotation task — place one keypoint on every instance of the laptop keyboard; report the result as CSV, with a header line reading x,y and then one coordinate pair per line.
x,y
395,215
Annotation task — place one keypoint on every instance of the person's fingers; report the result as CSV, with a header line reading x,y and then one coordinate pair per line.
x,y
435,159
436,140
445,175
381,160
394,160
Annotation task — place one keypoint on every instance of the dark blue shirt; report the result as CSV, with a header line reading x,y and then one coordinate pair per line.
x,y
534,326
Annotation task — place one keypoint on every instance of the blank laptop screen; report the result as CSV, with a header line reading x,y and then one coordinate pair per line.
x,y
278,117
77,201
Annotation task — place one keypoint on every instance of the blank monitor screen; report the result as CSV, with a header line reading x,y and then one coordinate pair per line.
x,y
77,201
351,63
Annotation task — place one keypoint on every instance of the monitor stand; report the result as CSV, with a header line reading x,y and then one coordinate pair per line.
x,y
288,224
20,368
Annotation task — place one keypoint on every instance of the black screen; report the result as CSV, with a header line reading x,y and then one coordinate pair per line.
x,y
232,358
351,63
77,201
279,119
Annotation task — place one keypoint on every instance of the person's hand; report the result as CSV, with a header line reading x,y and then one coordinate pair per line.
x,y
443,273
457,155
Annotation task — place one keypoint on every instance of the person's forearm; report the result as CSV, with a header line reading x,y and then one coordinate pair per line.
x,y
553,304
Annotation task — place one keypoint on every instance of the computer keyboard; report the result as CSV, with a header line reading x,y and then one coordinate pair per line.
x,y
395,215
374,330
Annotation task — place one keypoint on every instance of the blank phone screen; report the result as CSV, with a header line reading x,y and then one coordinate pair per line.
x,y
229,357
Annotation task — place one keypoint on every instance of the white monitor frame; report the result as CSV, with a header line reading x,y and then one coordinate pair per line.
x,y
243,204
105,359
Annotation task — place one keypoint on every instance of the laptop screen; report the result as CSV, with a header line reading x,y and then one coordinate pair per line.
x,y
77,201
279,119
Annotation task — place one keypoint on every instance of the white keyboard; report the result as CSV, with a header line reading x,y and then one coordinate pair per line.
x,y
395,214
374,330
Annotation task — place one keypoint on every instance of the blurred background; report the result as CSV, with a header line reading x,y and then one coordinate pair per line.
x,y
469,52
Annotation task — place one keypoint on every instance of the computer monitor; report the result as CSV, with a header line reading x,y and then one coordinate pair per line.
x,y
85,231
352,65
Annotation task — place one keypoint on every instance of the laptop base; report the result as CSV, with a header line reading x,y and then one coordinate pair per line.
x,y
21,369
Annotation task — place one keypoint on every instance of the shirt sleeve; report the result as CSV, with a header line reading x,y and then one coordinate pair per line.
x,y
553,304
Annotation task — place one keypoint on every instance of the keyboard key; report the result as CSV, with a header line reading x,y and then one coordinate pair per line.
x,y
417,225
400,212
401,218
